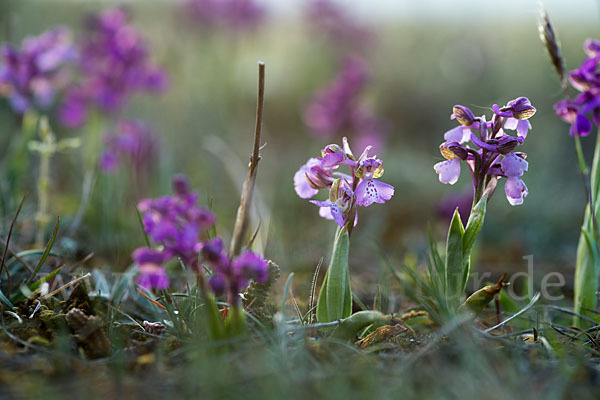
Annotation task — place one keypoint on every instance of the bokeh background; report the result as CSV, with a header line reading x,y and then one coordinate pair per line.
x,y
423,57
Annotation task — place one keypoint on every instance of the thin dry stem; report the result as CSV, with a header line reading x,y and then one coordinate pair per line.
x,y
243,213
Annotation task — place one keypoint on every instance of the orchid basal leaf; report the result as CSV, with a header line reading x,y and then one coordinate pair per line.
x,y
454,259
335,297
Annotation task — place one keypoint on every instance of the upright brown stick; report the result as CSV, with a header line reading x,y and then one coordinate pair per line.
x,y
243,213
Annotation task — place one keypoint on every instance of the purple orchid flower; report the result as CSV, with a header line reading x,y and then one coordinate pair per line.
x,y
132,142
339,205
176,222
369,190
517,113
114,64
491,156
347,191
233,276
585,79
32,75
150,265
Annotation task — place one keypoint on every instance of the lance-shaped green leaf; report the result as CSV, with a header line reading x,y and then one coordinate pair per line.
x,y
454,259
586,271
335,297
215,324
235,324
473,228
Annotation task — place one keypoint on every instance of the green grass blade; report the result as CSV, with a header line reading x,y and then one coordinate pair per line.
x,y
40,264
141,221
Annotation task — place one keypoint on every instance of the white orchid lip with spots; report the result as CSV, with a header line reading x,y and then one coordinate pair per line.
x,y
491,155
361,187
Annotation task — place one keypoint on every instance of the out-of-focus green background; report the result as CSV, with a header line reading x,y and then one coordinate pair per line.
x,y
424,58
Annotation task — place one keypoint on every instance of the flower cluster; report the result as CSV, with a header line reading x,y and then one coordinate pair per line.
x,y
492,155
337,108
360,188
231,276
331,19
238,15
175,223
132,142
31,75
114,64
586,79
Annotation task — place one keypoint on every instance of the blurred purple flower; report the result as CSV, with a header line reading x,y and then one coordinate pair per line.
x,y
152,272
32,75
585,79
491,156
332,109
114,65
337,109
176,222
463,201
233,276
236,15
132,142
331,20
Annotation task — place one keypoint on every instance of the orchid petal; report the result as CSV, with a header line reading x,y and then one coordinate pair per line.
x,y
513,165
459,134
448,171
371,191
515,190
301,185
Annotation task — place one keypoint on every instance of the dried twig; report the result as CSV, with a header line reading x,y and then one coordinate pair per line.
x,y
241,221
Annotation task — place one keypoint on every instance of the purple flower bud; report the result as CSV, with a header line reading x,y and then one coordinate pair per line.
x,y
451,150
507,143
522,108
463,115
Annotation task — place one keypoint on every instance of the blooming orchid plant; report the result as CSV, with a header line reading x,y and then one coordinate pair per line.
x,y
488,151
178,225
346,192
